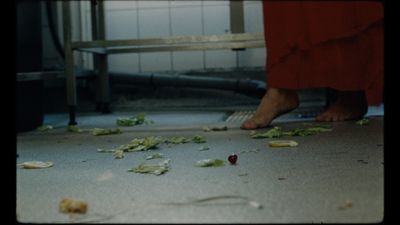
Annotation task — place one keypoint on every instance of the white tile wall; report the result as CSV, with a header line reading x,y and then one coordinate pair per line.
x,y
252,57
188,60
121,24
120,5
216,19
184,3
154,23
146,4
186,21
125,63
215,2
159,61
253,19
220,59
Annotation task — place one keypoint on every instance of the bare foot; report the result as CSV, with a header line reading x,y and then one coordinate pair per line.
x,y
274,103
350,105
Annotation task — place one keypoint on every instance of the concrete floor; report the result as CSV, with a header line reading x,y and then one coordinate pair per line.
x,y
308,183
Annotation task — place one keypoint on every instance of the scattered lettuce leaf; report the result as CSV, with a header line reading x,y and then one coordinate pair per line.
x,y
101,131
177,140
362,122
210,163
137,144
199,139
134,120
277,132
73,128
141,144
119,154
283,143
155,156
156,169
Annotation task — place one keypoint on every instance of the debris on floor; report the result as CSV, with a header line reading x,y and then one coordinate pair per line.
x,y
255,150
137,144
277,132
133,121
68,205
215,128
346,205
108,131
210,163
215,200
199,139
203,148
44,128
74,128
119,154
156,169
36,165
362,122
282,143
177,140
232,158
155,156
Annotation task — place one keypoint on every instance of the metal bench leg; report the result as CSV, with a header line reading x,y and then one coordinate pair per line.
x,y
69,63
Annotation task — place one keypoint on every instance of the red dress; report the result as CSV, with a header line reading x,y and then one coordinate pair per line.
x,y
335,44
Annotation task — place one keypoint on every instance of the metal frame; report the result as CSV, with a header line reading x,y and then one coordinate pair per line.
x,y
101,48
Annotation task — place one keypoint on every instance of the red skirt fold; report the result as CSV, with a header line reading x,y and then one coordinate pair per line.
x,y
315,44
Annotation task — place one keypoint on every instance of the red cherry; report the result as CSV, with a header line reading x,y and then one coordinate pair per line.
x,y
232,158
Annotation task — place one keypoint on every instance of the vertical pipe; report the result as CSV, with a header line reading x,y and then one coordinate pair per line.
x,y
95,36
69,63
103,63
236,18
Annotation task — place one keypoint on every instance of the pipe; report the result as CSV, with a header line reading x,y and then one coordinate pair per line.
x,y
53,33
245,86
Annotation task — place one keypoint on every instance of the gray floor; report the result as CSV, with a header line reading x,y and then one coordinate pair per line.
x,y
308,183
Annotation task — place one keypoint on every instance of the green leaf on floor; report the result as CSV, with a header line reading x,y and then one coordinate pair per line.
x,y
141,144
134,120
362,122
74,128
137,144
108,131
156,169
210,163
155,156
199,139
176,140
277,132
283,143
119,154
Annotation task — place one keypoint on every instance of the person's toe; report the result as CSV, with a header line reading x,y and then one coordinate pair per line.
x,y
248,125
